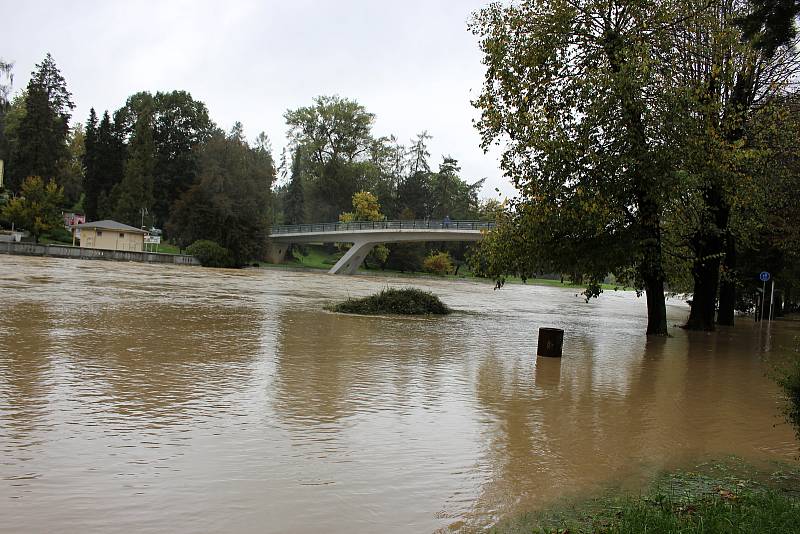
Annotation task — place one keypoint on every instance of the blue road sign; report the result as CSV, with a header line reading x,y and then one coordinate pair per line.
x,y
764,276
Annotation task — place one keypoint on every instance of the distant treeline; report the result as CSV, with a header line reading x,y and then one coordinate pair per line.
x,y
159,160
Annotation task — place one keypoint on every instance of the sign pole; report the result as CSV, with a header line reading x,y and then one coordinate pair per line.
x,y
771,300
764,277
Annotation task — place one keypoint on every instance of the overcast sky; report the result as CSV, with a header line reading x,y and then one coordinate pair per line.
x,y
412,63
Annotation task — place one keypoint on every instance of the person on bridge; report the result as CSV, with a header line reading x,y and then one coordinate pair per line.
x,y
446,222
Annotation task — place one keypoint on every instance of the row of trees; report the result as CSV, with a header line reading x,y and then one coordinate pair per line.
x,y
652,140
336,167
159,160
334,154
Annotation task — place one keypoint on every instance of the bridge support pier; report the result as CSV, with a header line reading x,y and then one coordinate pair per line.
x,y
353,258
276,252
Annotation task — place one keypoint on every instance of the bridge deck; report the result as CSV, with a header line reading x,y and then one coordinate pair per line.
x,y
366,234
356,226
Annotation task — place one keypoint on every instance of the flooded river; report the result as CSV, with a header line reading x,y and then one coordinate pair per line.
x,y
139,398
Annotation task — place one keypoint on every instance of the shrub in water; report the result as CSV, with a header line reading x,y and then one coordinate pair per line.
x,y
408,301
438,263
210,254
790,383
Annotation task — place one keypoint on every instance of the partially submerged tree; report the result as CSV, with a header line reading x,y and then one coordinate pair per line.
x,y
583,102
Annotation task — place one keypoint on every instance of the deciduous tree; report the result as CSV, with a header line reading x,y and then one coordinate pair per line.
x,y
37,209
580,96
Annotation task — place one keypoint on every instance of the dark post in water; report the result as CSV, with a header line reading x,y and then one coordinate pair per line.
x,y
551,341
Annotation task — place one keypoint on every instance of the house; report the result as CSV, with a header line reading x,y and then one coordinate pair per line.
x,y
110,235
71,219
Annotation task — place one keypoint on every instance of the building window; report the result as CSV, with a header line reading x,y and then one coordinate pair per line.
x,y
99,233
121,234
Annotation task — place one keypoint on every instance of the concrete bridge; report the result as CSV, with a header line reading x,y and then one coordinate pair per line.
x,y
366,234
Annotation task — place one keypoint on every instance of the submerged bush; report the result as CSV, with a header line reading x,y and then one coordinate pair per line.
x,y
790,383
407,301
210,254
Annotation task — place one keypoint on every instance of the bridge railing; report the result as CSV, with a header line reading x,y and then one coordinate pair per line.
x,y
382,225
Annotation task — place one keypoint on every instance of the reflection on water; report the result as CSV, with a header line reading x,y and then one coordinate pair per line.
x,y
169,399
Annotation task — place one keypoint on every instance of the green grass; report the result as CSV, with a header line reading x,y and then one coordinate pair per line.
x,y
722,497
48,240
165,247
57,236
406,301
317,258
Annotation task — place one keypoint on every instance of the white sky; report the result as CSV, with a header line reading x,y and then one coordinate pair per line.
x,y
412,63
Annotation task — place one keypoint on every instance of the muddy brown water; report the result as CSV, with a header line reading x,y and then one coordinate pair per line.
x,y
176,399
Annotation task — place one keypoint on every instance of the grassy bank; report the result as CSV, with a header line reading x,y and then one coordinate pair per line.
x,y
716,497
316,257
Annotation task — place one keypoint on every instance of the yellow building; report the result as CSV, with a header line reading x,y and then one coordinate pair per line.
x,y
110,235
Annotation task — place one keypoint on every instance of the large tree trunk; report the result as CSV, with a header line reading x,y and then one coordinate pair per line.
x,y
656,307
727,287
709,248
706,280
651,269
727,303
646,193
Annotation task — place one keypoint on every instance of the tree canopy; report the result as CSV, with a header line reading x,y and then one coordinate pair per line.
x,y
626,130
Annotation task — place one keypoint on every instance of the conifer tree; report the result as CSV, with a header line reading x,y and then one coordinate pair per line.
x,y
295,197
42,133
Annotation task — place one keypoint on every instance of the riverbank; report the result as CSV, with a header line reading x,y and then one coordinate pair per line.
x,y
71,252
317,260
712,497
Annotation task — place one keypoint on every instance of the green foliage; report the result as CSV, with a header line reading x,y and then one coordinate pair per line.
x,y
334,135
770,23
71,172
438,263
627,130
405,256
58,235
365,208
406,301
38,207
450,195
6,82
41,135
134,194
295,203
104,163
789,382
315,257
748,512
229,202
721,497
586,120
210,254
163,132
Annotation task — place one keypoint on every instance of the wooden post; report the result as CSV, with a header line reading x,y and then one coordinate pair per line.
x,y
551,341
